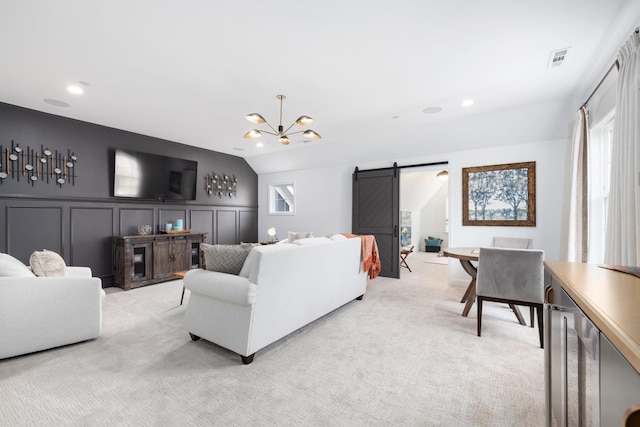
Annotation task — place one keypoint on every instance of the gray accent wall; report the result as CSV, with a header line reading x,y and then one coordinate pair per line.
x,y
79,220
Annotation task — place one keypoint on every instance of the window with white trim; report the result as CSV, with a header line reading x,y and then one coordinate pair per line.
x,y
282,199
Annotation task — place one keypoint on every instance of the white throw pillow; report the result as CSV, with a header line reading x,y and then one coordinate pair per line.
x,y
47,264
12,267
295,235
338,237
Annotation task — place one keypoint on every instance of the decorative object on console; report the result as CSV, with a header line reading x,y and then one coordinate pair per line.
x,y
34,165
143,230
281,133
177,232
220,184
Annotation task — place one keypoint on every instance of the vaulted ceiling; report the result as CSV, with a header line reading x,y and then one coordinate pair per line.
x,y
366,71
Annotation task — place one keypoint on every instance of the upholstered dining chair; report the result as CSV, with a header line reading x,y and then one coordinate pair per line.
x,y
511,242
514,243
512,276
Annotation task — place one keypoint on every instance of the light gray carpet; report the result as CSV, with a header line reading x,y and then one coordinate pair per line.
x,y
402,356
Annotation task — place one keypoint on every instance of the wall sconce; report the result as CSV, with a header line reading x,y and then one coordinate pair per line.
x,y
37,165
220,185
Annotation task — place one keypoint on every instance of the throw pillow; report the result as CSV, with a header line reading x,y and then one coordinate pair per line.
x,y
294,235
12,267
47,264
225,258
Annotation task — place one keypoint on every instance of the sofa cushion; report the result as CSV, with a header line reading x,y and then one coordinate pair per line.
x,y
12,267
312,241
225,258
295,235
47,264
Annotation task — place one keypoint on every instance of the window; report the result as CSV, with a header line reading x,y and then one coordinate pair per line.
x,y
282,199
600,145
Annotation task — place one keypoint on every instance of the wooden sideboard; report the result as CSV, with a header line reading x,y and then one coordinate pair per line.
x,y
147,259
592,345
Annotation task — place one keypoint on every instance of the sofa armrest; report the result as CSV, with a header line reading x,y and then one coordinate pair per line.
x,y
78,271
222,286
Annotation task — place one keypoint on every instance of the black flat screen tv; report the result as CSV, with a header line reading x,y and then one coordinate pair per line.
x,y
151,176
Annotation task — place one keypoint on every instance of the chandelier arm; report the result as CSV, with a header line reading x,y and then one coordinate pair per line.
x,y
292,125
272,128
271,133
293,133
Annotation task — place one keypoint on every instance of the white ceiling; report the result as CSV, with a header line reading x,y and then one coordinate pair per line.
x,y
189,71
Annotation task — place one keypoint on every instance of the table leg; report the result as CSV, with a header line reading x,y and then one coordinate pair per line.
x,y
470,294
516,311
471,297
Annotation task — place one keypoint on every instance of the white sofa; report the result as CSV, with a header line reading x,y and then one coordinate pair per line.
x,y
280,289
38,313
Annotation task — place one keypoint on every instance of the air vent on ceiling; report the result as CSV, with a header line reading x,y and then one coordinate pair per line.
x,y
557,58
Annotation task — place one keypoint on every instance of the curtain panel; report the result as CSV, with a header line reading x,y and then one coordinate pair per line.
x,y
577,248
623,231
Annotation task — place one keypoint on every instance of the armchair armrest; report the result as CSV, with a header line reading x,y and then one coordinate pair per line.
x,y
78,271
222,286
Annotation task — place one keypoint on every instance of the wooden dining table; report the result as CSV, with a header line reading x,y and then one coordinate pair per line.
x,y
465,256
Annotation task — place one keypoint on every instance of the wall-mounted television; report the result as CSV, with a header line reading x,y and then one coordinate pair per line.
x,y
151,176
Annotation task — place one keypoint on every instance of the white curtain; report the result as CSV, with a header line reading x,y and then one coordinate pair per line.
x,y
577,248
623,230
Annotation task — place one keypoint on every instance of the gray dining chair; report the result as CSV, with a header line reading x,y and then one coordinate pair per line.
x,y
512,242
511,276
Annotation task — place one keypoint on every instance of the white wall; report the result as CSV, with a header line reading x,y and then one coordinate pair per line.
x,y
323,200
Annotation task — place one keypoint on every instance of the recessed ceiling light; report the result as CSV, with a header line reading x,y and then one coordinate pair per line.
x,y
56,102
75,89
467,102
432,110
396,117
259,145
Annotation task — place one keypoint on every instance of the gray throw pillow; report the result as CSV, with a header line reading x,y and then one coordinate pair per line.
x,y
225,258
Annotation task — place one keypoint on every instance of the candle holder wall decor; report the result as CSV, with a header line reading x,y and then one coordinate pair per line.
x,y
37,165
220,184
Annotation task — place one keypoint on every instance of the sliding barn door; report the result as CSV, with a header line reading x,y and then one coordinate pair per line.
x,y
375,210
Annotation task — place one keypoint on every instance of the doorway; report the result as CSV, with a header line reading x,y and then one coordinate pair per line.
x,y
424,206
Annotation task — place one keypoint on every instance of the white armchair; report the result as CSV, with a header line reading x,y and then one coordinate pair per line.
x,y
38,313
512,276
